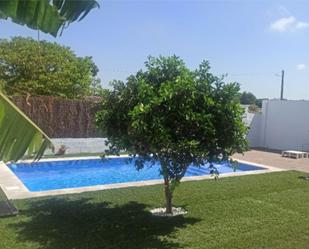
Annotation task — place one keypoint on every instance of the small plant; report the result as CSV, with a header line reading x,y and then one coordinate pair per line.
x,y
254,109
61,150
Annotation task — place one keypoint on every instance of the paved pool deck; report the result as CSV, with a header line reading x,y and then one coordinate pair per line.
x,y
15,189
274,159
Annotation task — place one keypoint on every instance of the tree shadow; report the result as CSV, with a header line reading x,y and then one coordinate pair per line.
x,y
62,223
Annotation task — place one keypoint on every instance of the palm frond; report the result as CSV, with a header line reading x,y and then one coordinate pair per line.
x,y
46,15
18,134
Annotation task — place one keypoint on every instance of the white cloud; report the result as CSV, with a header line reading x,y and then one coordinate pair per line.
x,y
288,24
300,67
301,25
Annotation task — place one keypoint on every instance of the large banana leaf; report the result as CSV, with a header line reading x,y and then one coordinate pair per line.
x,y
18,134
48,16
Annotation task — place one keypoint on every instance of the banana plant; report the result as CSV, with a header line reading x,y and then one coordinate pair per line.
x,y
48,16
19,135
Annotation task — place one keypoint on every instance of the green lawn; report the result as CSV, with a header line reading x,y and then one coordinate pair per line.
x,y
269,211
2,195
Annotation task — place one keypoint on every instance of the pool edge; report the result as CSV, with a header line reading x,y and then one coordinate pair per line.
x,y
15,189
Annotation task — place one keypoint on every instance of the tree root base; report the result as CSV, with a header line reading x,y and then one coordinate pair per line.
x,y
175,212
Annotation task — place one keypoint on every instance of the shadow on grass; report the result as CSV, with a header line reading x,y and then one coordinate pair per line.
x,y
77,223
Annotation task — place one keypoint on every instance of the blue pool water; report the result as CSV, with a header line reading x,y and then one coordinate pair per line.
x,y
42,176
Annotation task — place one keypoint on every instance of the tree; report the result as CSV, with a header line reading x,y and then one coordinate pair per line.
x,y
44,68
259,102
247,98
173,115
49,16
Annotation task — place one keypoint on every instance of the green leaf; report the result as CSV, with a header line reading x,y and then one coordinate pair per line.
x,y
19,135
49,16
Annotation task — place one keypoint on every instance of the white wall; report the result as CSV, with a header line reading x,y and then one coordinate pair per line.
x,y
255,130
253,121
80,145
283,125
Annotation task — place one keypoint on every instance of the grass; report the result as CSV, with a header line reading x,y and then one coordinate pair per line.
x,y
256,212
2,195
6,207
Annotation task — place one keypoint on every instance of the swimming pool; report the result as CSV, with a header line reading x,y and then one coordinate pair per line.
x,y
52,175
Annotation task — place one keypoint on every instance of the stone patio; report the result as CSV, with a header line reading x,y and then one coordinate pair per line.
x,y
274,159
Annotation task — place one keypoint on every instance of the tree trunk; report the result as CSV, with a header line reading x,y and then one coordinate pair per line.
x,y
168,195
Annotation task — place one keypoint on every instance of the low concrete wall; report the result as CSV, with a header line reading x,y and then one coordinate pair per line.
x,y
80,145
97,145
282,125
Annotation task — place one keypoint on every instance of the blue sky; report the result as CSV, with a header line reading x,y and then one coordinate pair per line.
x,y
251,41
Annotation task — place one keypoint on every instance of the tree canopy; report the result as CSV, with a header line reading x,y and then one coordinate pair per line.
x,y
171,114
44,68
247,98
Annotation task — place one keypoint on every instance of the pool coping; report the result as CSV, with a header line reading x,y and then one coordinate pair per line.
x,y
15,189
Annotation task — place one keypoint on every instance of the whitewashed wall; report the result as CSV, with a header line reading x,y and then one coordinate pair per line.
x,y
255,130
253,120
283,125
80,145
